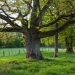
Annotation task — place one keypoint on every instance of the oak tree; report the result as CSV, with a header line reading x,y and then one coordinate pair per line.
x,y
34,18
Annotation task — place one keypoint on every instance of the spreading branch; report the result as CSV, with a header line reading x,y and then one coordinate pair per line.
x,y
9,21
56,20
57,30
42,12
45,8
8,29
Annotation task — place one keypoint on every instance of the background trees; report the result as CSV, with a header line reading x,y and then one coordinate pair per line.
x,y
68,37
11,40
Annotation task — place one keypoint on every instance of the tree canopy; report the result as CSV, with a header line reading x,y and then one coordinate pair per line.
x,y
46,13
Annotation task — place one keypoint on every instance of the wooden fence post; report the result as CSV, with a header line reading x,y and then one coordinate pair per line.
x,y
3,53
19,51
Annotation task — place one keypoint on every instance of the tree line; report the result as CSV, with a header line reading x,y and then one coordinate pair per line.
x,y
11,40
15,40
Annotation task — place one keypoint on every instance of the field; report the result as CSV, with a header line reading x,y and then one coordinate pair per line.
x,y
18,65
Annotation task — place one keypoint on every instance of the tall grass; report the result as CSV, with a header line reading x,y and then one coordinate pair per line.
x,y
18,65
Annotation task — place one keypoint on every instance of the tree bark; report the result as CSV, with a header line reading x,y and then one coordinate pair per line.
x,y
69,42
56,46
33,47
56,43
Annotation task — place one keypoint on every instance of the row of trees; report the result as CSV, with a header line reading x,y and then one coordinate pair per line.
x,y
12,40
15,40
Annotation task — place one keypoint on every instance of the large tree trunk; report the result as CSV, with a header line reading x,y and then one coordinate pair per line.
x,y
33,47
69,42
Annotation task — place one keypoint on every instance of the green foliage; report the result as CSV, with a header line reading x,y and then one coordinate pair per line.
x,y
18,65
57,8
49,42
11,40
68,32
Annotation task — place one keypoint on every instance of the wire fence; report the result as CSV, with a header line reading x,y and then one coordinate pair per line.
x,y
14,51
11,51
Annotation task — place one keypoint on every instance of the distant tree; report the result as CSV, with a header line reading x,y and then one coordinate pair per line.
x,y
70,38
36,19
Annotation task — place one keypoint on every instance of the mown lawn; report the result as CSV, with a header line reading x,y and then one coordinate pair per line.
x,y
18,65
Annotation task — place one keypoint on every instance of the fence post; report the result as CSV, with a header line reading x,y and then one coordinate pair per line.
x,y
3,53
12,53
19,51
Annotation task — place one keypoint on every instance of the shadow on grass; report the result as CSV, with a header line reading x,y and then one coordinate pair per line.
x,y
63,65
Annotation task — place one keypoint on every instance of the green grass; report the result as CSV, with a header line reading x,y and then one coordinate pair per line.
x,y
18,65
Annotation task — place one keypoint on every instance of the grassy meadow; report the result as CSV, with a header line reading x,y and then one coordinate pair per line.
x,y
19,65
